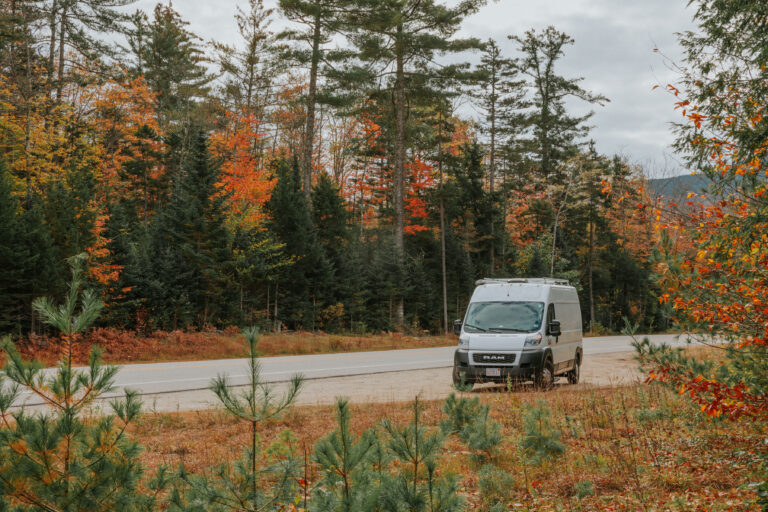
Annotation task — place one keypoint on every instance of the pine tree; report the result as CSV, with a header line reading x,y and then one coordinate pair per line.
x,y
25,257
329,216
322,20
59,460
250,73
501,94
254,483
172,61
555,131
347,484
541,441
303,282
415,486
76,26
401,39
191,259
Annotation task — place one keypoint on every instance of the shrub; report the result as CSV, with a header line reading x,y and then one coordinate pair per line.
x,y
583,489
541,441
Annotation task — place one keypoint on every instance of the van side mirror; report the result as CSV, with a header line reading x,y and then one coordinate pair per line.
x,y
457,327
553,329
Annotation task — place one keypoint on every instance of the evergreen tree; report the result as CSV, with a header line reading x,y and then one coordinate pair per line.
x,y
254,483
172,61
68,210
502,96
555,131
321,20
472,207
401,39
415,486
25,257
329,216
347,484
76,27
304,281
58,460
250,73
191,254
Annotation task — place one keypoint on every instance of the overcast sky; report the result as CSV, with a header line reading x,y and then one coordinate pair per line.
x,y
614,52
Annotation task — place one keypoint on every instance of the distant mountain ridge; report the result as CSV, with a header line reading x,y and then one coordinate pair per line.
x,y
678,186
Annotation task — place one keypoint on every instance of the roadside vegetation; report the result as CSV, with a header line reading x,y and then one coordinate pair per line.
x,y
624,448
631,448
119,346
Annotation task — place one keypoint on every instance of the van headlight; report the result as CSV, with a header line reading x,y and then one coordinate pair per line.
x,y
463,342
533,340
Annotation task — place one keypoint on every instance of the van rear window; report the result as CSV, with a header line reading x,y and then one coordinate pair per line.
x,y
504,317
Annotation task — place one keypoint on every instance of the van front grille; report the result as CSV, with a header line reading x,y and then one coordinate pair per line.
x,y
494,358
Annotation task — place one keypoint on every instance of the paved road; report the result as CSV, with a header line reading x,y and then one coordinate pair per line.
x,y
179,377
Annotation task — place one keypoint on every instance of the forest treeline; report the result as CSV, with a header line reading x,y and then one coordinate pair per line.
x,y
326,176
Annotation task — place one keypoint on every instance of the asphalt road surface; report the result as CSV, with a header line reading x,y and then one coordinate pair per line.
x,y
184,385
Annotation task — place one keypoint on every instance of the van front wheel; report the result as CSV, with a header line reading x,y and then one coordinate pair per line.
x,y
573,375
460,381
545,376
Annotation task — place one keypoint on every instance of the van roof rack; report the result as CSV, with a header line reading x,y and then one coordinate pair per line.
x,y
519,280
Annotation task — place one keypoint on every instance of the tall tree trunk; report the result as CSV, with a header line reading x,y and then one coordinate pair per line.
x,y
492,168
398,181
309,130
591,286
504,217
52,46
444,277
60,74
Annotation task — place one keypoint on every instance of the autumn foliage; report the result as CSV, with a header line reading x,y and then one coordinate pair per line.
x,y
718,287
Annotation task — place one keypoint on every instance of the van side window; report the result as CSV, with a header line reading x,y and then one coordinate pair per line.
x,y
550,313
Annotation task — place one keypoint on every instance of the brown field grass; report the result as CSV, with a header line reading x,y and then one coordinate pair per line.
x,y
640,448
122,347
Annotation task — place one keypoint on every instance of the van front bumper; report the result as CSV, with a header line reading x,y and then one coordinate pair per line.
x,y
525,369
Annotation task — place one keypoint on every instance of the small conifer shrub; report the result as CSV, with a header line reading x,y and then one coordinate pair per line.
x,y
541,441
58,458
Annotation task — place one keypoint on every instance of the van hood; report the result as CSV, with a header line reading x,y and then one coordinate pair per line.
x,y
505,341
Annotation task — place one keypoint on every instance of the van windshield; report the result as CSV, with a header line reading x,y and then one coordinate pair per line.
x,y
504,317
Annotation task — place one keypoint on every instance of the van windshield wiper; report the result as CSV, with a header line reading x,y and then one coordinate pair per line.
x,y
508,329
475,327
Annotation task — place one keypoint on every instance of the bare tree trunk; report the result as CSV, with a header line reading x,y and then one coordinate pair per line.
x,y
309,130
60,74
591,288
504,218
444,276
398,183
554,248
492,169
277,322
52,46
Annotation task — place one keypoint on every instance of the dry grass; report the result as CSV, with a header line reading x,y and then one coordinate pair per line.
x,y
642,448
128,347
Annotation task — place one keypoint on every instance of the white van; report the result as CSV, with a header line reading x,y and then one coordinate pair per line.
x,y
519,329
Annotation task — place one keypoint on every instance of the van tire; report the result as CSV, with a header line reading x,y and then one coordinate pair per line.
x,y
545,376
459,383
573,375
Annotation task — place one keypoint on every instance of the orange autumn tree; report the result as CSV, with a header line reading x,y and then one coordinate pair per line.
x,y
244,176
419,179
719,290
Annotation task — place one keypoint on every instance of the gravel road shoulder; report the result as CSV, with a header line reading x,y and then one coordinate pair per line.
x,y
598,370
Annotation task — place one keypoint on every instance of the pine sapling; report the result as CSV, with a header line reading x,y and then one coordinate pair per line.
x,y
471,421
256,482
58,459
416,486
541,441
346,466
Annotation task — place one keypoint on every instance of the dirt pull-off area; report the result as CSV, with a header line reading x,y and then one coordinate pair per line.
x,y
597,370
